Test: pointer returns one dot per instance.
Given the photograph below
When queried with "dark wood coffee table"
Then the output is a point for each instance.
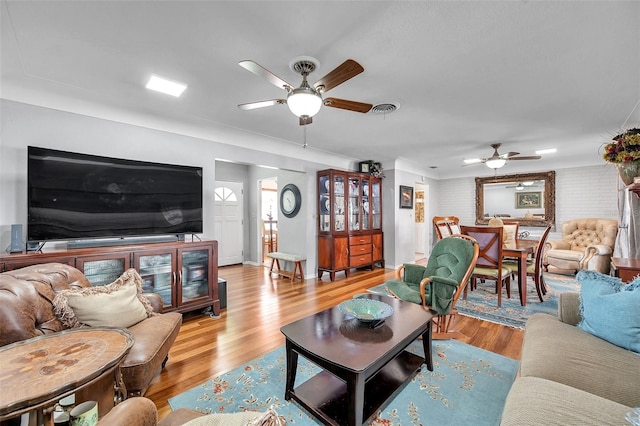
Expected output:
(363, 367)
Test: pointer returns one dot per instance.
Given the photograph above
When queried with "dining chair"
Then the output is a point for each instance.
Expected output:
(446, 226)
(534, 266)
(489, 264)
(439, 284)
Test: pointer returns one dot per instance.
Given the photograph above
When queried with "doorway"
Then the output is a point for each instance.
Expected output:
(228, 211)
(421, 228)
(268, 213)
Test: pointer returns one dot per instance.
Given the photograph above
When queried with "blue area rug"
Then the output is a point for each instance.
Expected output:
(483, 302)
(468, 386)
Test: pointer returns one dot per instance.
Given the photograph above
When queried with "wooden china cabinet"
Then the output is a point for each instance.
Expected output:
(349, 222)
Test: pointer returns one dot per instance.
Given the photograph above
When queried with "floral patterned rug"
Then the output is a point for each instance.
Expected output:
(483, 302)
(468, 386)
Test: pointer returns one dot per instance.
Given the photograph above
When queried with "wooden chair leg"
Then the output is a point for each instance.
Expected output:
(537, 279)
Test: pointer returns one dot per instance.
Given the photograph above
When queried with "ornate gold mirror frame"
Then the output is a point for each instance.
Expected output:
(549, 179)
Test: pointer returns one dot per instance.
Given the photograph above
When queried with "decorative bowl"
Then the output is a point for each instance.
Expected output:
(366, 310)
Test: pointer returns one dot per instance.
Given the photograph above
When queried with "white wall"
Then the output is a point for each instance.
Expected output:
(24, 125)
(581, 192)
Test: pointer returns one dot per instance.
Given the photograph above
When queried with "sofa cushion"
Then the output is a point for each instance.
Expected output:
(610, 309)
(119, 304)
(535, 401)
(563, 353)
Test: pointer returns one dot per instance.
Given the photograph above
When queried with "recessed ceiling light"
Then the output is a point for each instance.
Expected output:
(472, 160)
(546, 151)
(163, 85)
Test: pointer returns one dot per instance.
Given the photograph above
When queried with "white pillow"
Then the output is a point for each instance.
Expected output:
(119, 304)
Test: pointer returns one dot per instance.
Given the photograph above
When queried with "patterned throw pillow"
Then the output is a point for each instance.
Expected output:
(119, 304)
(610, 309)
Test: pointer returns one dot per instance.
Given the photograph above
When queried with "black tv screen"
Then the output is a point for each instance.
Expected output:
(78, 196)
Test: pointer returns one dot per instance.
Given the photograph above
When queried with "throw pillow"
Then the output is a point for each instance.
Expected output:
(119, 304)
(610, 309)
(241, 418)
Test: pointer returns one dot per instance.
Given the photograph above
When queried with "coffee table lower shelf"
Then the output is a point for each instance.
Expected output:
(325, 395)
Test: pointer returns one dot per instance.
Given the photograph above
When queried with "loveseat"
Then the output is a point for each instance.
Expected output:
(569, 376)
(587, 244)
(27, 310)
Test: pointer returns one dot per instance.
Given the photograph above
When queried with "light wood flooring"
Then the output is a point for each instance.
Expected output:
(258, 305)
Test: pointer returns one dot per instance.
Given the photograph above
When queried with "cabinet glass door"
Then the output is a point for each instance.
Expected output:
(366, 205)
(105, 269)
(376, 205)
(194, 277)
(339, 223)
(157, 275)
(354, 204)
(324, 203)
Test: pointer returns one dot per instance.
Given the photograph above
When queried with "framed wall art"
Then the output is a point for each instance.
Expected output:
(406, 197)
(528, 200)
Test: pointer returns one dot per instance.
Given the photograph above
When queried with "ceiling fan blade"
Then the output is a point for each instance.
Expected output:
(305, 119)
(348, 105)
(339, 75)
(527, 157)
(261, 104)
(263, 72)
(509, 154)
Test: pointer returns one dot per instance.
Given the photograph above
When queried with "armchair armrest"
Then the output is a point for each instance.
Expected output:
(440, 296)
(400, 273)
(557, 245)
(137, 411)
(596, 250)
(444, 280)
(599, 249)
(569, 308)
(155, 300)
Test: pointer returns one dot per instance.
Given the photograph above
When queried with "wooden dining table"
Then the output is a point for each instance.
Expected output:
(521, 251)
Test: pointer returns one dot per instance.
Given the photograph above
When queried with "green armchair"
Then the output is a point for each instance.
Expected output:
(439, 284)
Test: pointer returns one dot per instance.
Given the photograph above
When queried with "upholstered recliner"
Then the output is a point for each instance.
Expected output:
(586, 244)
(438, 285)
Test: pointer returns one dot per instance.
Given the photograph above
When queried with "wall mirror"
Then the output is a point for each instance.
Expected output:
(527, 198)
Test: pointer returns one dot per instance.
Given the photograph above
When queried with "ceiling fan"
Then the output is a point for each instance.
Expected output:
(305, 101)
(498, 160)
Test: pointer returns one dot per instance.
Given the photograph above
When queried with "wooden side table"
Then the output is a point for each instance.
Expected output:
(625, 269)
(41, 371)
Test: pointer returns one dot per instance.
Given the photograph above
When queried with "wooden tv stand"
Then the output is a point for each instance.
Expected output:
(183, 274)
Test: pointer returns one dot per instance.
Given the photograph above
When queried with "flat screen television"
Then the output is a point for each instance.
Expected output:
(73, 196)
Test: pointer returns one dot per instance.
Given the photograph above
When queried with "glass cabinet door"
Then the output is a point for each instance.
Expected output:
(376, 205)
(365, 204)
(101, 270)
(324, 204)
(339, 223)
(157, 272)
(194, 275)
(354, 204)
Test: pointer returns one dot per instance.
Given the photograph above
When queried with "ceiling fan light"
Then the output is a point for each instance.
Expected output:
(496, 163)
(304, 101)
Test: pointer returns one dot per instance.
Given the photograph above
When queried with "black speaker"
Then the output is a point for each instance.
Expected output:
(16, 238)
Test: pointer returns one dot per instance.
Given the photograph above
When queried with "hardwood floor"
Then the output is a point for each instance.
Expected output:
(258, 305)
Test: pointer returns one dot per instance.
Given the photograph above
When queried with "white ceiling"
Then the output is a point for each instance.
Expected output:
(530, 74)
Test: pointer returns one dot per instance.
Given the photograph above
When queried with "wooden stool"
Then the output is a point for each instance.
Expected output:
(277, 256)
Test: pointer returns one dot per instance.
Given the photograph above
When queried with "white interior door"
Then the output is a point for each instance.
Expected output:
(228, 222)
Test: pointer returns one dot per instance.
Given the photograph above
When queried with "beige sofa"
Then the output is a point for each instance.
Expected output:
(570, 377)
(586, 244)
